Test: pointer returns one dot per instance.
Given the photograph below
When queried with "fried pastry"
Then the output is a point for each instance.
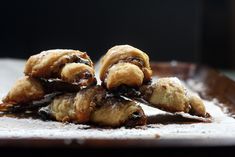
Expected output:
(29, 89)
(170, 95)
(197, 106)
(93, 105)
(117, 111)
(124, 65)
(48, 72)
(71, 66)
(25, 90)
(74, 107)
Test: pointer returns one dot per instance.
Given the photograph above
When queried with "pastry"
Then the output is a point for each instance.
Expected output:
(170, 95)
(28, 89)
(94, 105)
(71, 66)
(124, 65)
(23, 91)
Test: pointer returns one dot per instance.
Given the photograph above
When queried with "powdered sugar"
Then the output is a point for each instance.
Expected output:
(27, 128)
(222, 125)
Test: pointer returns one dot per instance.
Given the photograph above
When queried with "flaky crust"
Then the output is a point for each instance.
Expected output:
(94, 106)
(197, 106)
(121, 53)
(49, 64)
(124, 74)
(62, 107)
(78, 73)
(170, 95)
(48, 72)
(74, 107)
(116, 113)
(24, 90)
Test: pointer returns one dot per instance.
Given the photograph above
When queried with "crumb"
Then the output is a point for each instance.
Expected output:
(157, 136)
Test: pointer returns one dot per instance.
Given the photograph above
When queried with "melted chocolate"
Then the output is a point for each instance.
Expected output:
(126, 91)
(79, 59)
(135, 60)
(45, 113)
(84, 78)
(56, 85)
(136, 118)
(146, 92)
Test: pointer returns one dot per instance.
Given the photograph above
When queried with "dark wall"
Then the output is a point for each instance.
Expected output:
(217, 33)
(167, 30)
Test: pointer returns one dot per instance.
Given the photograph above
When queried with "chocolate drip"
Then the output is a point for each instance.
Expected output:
(82, 60)
(136, 118)
(45, 113)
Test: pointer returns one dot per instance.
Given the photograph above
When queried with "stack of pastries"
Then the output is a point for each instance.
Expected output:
(66, 78)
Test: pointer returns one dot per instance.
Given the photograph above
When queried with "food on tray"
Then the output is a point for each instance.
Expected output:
(170, 95)
(61, 85)
(125, 65)
(51, 71)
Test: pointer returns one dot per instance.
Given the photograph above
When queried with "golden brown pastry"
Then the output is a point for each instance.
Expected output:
(93, 105)
(71, 66)
(23, 91)
(117, 112)
(170, 95)
(28, 89)
(125, 65)
(197, 106)
(74, 107)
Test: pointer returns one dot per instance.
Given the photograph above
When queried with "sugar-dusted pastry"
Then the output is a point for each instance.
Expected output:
(24, 90)
(125, 65)
(93, 105)
(71, 66)
(197, 106)
(117, 111)
(170, 95)
(28, 89)
(48, 72)
(74, 107)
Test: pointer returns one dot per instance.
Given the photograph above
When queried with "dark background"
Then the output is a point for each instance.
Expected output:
(201, 31)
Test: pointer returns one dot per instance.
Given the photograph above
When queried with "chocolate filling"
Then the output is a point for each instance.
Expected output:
(56, 85)
(136, 118)
(29, 109)
(135, 60)
(79, 59)
(83, 78)
(45, 113)
(127, 91)
(146, 92)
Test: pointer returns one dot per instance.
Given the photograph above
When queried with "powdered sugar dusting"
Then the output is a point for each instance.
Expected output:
(27, 128)
(222, 125)
(198, 86)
